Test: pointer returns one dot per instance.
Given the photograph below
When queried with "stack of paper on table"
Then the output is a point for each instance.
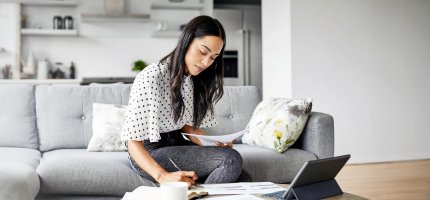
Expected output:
(155, 193)
(243, 190)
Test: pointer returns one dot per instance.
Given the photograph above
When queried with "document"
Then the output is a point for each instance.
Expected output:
(209, 140)
(235, 197)
(242, 188)
(153, 193)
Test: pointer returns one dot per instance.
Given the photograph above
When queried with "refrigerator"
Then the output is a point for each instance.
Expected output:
(242, 56)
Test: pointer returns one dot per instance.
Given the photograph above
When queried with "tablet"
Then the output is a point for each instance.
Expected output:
(315, 180)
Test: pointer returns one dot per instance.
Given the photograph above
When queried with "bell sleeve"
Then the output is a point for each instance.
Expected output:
(141, 118)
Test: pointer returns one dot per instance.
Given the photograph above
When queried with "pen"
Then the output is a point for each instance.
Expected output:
(174, 164)
(179, 169)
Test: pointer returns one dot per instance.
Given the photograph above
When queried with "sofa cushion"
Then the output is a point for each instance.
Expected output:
(14, 155)
(17, 116)
(234, 109)
(18, 177)
(18, 181)
(277, 123)
(64, 113)
(77, 171)
(108, 120)
(264, 164)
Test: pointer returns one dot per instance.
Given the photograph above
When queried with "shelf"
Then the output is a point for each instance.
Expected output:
(94, 17)
(166, 34)
(176, 5)
(70, 3)
(58, 32)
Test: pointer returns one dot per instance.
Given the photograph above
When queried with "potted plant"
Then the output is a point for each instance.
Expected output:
(139, 65)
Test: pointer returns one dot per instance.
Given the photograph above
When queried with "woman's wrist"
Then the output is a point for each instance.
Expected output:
(159, 176)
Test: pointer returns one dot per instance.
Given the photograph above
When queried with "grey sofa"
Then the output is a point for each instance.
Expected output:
(45, 130)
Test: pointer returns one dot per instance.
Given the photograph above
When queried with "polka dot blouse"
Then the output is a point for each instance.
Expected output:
(149, 111)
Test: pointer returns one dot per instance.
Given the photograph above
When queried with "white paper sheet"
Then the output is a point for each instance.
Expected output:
(242, 188)
(209, 140)
(235, 197)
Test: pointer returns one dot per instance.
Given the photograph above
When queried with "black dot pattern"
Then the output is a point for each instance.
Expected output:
(149, 110)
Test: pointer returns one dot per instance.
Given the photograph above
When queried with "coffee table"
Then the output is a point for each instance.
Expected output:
(344, 196)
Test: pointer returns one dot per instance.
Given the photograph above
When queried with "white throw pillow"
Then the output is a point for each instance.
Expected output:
(277, 123)
(108, 120)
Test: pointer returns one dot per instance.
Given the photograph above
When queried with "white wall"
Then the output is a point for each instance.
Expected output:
(9, 37)
(365, 62)
(276, 39)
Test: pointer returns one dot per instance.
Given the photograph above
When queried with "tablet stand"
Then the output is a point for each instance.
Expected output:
(317, 190)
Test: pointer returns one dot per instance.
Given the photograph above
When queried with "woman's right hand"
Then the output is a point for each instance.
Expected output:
(189, 177)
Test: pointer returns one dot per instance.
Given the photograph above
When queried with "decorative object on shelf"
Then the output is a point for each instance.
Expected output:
(114, 7)
(58, 22)
(6, 72)
(42, 69)
(57, 73)
(161, 26)
(23, 21)
(182, 26)
(30, 66)
(68, 22)
(139, 65)
(72, 69)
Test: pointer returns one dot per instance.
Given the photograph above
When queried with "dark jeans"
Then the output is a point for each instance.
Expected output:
(212, 164)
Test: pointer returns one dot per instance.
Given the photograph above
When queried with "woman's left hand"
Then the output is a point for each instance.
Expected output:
(228, 144)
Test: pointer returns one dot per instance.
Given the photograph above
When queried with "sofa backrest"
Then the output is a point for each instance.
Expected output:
(17, 116)
(64, 113)
(235, 109)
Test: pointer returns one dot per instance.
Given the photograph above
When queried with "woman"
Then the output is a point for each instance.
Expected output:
(177, 95)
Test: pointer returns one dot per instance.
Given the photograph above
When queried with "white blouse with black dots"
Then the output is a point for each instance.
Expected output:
(149, 111)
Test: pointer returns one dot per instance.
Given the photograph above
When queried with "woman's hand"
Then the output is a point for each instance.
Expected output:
(189, 177)
(189, 129)
(228, 144)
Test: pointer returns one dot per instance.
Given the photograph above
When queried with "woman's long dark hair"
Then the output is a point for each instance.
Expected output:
(208, 85)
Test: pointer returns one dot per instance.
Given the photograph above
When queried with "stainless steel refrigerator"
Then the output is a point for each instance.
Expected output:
(243, 49)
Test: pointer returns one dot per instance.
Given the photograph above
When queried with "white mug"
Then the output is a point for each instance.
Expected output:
(174, 191)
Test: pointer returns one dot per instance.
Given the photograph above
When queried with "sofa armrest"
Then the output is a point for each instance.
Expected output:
(318, 135)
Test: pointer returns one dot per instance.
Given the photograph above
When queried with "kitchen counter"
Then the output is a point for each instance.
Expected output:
(41, 81)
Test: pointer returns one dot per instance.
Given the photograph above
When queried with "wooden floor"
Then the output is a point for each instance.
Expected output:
(394, 180)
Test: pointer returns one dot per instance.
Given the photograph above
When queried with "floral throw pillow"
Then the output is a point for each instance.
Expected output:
(277, 123)
(108, 120)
